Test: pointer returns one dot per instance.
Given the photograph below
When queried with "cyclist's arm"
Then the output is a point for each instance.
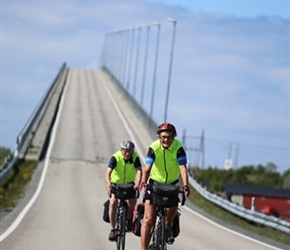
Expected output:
(111, 165)
(108, 179)
(150, 158)
(138, 167)
(146, 172)
(138, 177)
(183, 173)
(182, 161)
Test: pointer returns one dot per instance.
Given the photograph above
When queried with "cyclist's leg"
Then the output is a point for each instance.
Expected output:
(147, 223)
(113, 210)
(131, 205)
(170, 214)
(112, 215)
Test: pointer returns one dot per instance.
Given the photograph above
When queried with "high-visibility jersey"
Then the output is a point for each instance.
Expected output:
(165, 162)
(124, 171)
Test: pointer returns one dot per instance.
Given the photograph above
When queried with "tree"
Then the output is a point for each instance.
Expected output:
(271, 167)
(4, 152)
(286, 179)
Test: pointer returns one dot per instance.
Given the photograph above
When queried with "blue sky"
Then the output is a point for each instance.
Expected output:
(246, 8)
(230, 73)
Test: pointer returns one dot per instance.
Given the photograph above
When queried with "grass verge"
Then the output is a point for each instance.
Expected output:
(13, 186)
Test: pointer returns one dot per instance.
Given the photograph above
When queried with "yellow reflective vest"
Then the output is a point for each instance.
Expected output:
(165, 168)
(123, 172)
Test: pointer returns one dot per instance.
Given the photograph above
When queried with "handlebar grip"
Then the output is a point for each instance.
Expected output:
(183, 199)
(145, 191)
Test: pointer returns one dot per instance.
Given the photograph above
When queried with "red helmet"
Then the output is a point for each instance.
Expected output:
(166, 127)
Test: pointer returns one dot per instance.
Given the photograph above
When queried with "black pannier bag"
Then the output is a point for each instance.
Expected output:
(137, 219)
(124, 191)
(106, 217)
(164, 195)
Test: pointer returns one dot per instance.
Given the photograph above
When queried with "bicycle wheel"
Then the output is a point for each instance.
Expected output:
(163, 235)
(159, 235)
(121, 229)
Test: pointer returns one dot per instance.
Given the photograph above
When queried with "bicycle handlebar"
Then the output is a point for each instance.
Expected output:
(137, 192)
(182, 202)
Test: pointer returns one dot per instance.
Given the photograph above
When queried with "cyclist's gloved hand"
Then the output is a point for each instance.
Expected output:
(186, 190)
(109, 189)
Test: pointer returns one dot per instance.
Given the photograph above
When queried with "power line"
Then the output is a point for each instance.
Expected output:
(251, 145)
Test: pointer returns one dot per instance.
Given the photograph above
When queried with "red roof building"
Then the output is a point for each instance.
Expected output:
(270, 201)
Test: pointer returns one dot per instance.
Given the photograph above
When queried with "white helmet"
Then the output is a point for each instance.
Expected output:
(127, 145)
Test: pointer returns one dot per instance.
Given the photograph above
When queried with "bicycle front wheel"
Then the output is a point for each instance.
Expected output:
(159, 237)
(162, 235)
(121, 229)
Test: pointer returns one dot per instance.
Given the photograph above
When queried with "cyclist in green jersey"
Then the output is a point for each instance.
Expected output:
(124, 167)
(165, 163)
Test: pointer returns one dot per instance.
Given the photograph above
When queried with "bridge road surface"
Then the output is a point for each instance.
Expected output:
(67, 215)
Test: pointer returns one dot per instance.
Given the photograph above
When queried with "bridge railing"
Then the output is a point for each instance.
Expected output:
(23, 141)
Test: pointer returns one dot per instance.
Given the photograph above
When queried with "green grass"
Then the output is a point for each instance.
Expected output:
(13, 186)
(229, 218)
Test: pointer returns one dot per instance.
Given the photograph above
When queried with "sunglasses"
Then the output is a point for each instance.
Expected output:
(168, 137)
(127, 150)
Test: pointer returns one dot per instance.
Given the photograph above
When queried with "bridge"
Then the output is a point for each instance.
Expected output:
(77, 127)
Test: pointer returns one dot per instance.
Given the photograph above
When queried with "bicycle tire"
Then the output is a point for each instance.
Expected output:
(162, 234)
(121, 229)
(159, 240)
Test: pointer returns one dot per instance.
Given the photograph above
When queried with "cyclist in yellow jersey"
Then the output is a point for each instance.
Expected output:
(124, 167)
(165, 163)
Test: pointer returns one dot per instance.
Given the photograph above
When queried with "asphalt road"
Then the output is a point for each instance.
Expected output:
(66, 213)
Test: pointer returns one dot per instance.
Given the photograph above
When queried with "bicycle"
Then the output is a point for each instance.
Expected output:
(122, 192)
(164, 196)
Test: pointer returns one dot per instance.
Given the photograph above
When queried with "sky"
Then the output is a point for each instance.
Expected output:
(230, 74)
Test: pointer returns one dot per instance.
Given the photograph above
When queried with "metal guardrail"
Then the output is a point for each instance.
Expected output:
(21, 142)
(250, 215)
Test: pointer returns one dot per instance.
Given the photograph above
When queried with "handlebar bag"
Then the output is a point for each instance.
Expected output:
(124, 191)
(164, 195)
